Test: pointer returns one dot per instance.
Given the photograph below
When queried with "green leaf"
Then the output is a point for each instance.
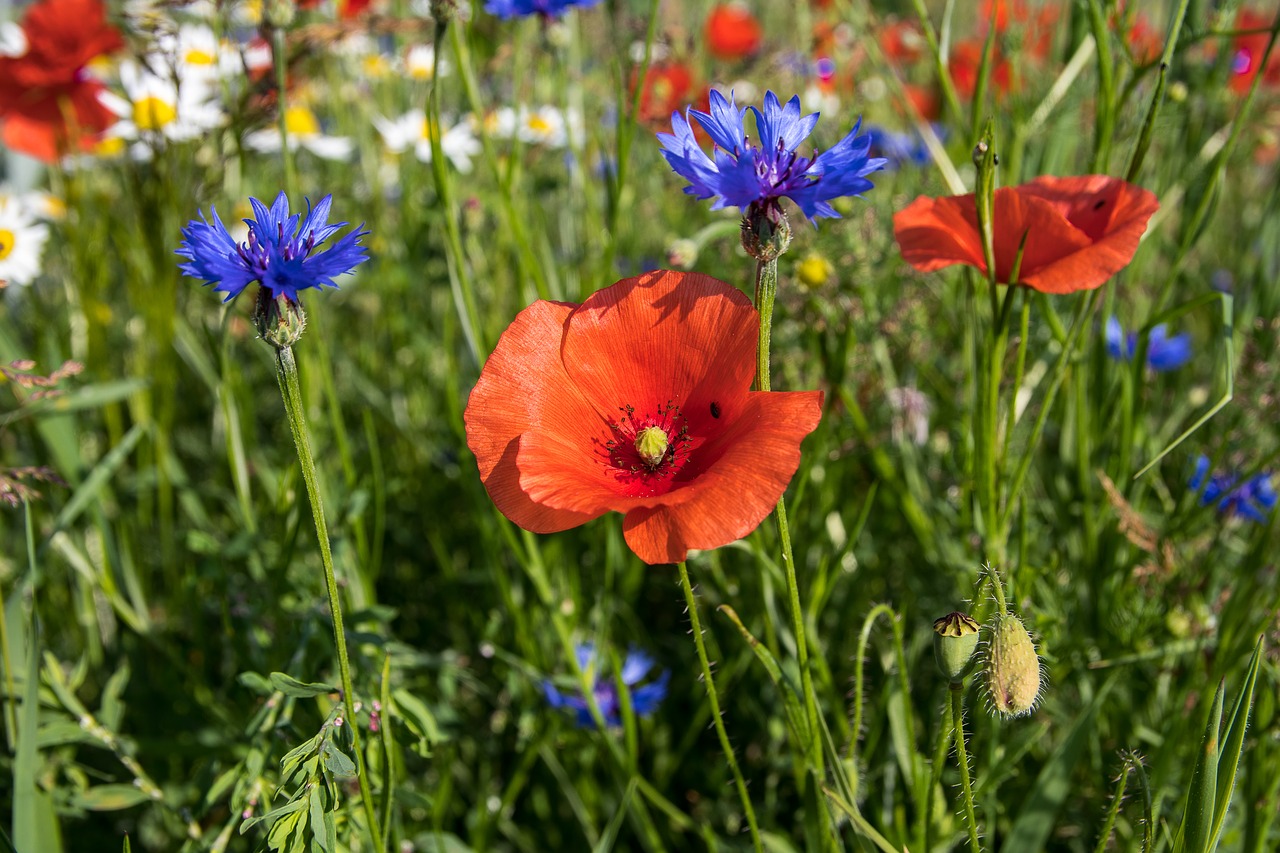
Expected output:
(1233, 746)
(288, 808)
(104, 471)
(1197, 820)
(110, 798)
(291, 686)
(256, 682)
(127, 848)
(336, 761)
(316, 816)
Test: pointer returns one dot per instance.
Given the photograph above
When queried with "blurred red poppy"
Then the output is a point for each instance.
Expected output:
(732, 32)
(966, 58)
(1247, 52)
(48, 104)
(1079, 231)
(637, 401)
(666, 90)
(902, 41)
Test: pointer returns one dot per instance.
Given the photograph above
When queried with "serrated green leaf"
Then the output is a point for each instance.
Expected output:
(110, 798)
(290, 686)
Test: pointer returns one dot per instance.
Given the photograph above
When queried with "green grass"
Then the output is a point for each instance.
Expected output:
(164, 633)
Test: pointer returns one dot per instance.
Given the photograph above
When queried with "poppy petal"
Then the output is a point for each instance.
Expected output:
(754, 459)
(1079, 231)
(663, 337)
(510, 398)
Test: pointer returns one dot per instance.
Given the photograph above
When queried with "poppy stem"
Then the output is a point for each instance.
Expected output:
(962, 759)
(766, 292)
(691, 602)
(287, 373)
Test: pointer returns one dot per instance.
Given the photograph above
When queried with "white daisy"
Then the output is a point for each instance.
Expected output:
(22, 241)
(412, 129)
(548, 126)
(419, 62)
(175, 108)
(304, 132)
(194, 51)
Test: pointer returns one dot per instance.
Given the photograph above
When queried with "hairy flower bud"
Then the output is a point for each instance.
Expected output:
(1012, 668)
(954, 643)
(279, 320)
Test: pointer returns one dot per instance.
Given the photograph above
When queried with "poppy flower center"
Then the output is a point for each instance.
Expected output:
(647, 450)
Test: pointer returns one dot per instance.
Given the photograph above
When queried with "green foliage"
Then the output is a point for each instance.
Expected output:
(167, 672)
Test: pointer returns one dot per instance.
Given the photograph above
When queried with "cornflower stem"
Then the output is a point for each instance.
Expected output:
(962, 758)
(691, 602)
(766, 293)
(287, 373)
(460, 277)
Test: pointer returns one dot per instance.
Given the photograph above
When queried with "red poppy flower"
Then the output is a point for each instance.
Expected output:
(1080, 231)
(732, 32)
(902, 41)
(47, 103)
(966, 57)
(637, 401)
(665, 90)
(1247, 52)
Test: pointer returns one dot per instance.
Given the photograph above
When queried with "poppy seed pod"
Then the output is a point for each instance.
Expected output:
(1012, 668)
(955, 642)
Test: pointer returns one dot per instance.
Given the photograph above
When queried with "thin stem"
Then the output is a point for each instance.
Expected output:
(766, 292)
(281, 60)
(460, 278)
(692, 603)
(962, 758)
(935, 773)
(287, 373)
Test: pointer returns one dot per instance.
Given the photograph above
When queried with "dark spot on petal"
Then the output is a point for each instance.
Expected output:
(1099, 204)
(715, 410)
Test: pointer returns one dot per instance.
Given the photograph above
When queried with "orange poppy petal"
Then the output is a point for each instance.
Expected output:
(933, 233)
(1109, 213)
(1079, 231)
(759, 453)
(663, 337)
(512, 397)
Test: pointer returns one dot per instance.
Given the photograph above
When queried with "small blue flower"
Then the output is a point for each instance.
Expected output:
(507, 9)
(1252, 499)
(1163, 352)
(280, 253)
(635, 667)
(744, 175)
(901, 149)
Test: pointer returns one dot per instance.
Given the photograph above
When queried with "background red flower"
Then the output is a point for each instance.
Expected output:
(554, 419)
(48, 104)
(732, 32)
(1079, 231)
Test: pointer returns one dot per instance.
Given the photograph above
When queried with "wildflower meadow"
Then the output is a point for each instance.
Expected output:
(431, 426)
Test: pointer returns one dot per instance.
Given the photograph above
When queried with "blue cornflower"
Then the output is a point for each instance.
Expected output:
(280, 253)
(748, 176)
(1252, 499)
(1163, 352)
(635, 667)
(547, 8)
